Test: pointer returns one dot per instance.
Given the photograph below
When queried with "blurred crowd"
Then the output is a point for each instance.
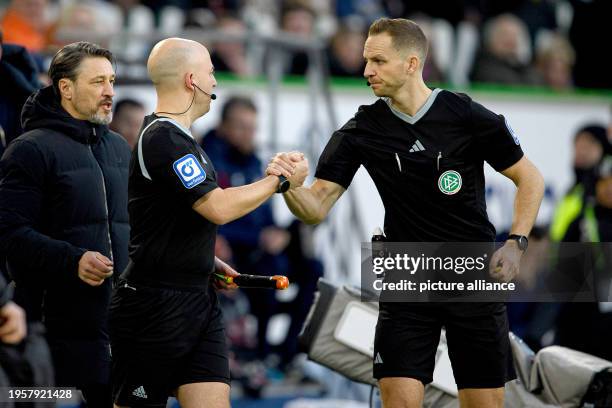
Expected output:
(547, 43)
(582, 215)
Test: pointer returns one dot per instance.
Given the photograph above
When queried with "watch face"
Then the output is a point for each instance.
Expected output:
(521, 241)
(283, 185)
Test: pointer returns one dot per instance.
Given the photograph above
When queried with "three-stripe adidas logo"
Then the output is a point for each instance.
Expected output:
(378, 359)
(417, 147)
(140, 392)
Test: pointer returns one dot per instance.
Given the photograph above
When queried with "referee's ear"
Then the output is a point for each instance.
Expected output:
(189, 81)
(413, 64)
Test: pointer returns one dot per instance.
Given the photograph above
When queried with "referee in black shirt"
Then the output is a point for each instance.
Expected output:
(425, 151)
(166, 326)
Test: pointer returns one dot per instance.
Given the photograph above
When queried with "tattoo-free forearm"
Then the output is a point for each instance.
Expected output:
(224, 205)
(304, 204)
(529, 194)
(312, 204)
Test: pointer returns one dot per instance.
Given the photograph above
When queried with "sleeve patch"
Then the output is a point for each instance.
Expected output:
(511, 131)
(189, 171)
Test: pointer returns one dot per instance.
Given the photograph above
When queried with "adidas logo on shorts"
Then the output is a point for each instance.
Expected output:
(378, 359)
(140, 392)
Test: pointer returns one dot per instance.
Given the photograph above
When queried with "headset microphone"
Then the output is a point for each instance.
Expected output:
(212, 96)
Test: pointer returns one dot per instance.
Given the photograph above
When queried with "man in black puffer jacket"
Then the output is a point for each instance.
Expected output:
(63, 214)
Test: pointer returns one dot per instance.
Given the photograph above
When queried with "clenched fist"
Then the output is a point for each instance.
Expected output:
(292, 165)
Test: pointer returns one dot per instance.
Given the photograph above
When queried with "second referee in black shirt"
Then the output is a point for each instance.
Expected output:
(166, 326)
(425, 150)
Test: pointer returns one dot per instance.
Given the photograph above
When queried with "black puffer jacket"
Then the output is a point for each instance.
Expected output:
(5, 292)
(63, 191)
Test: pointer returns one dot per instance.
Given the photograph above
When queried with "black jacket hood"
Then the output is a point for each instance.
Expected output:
(43, 110)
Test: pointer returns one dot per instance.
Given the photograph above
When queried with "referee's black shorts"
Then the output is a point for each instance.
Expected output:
(162, 338)
(407, 337)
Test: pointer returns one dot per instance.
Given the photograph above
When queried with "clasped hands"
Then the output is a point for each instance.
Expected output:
(292, 165)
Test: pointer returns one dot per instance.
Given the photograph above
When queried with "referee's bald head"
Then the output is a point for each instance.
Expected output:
(171, 59)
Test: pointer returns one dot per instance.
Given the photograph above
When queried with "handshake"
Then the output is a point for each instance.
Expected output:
(292, 165)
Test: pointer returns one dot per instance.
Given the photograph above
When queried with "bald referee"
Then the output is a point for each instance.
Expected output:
(424, 150)
(167, 333)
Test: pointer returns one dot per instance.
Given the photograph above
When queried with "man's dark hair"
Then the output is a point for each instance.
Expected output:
(236, 102)
(296, 5)
(66, 62)
(127, 103)
(405, 34)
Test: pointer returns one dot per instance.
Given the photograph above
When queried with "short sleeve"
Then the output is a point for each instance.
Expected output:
(176, 164)
(340, 159)
(496, 142)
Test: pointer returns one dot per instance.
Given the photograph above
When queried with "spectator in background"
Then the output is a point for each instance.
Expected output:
(94, 18)
(24, 23)
(503, 59)
(258, 245)
(298, 18)
(136, 21)
(538, 16)
(157, 5)
(346, 53)
(230, 55)
(126, 6)
(365, 10)
(127, 120)
(63, 215)
(555, 60)
(431, 71)
(583, 326)
(452, 11)
(591, 144)
(19, 78)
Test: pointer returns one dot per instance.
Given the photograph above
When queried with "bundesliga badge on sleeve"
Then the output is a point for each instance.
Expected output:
(189, 171)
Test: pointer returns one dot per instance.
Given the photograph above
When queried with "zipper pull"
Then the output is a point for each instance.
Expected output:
(439, 158)
(399, 163)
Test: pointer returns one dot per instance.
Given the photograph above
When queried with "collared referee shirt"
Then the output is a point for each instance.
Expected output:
(428, 168)
(170, 242)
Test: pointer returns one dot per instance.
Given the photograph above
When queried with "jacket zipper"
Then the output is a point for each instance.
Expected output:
(2, 137)
(438, 161)
(108, 234)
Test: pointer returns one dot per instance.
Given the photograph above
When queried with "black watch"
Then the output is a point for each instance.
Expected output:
(521, 240)
(283, 185)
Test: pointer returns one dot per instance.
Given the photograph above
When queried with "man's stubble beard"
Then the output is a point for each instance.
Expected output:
(100, 119)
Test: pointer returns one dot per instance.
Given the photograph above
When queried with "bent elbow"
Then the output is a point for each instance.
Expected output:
(218, 219)
(312, 220)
